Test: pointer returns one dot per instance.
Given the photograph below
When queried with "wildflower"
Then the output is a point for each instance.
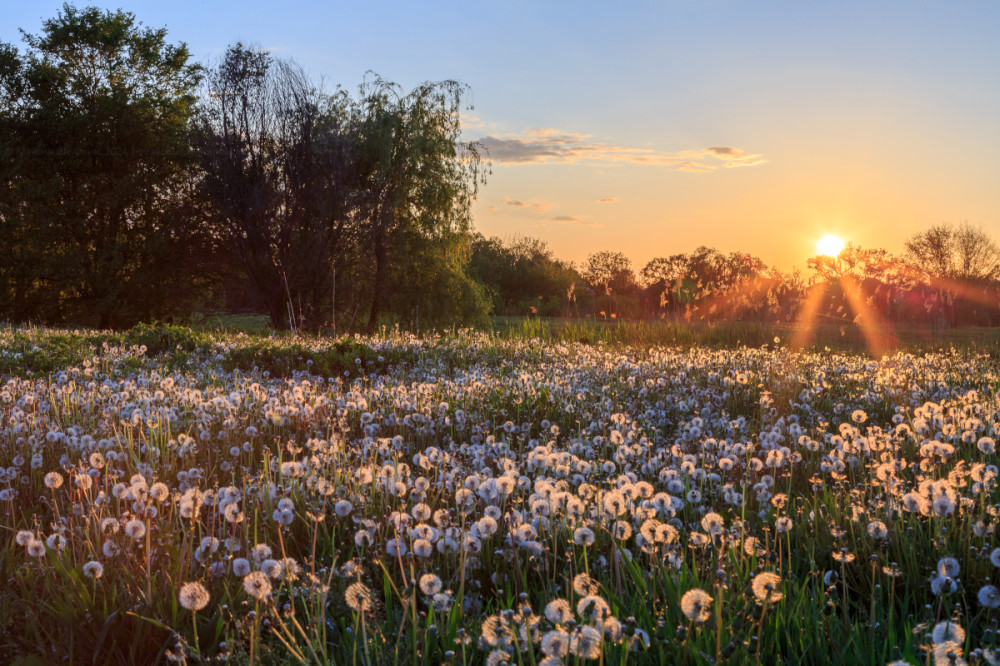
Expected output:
(943, 585)
(260, 552)
(24, 537)
(35, 548)
(585, 642)
(342, 508)
(783, 524)
(584, 585)
(395, 547)
(943, 505)
(93, 569)
(241, 566)
(583, 536)
(753, 547)
(765, 587)
(989, 596)
(422, 548)
(110, 548)
(193, 596)
(271, 567)
(995, 557)
(696, 605)
(555, 643)
(430, 584)
(441, 602)
(948, 566)
(877, 529)
(159, 492)
(257, 585)
(593, 608)
(948, 632)
(844, 556)
(713, 523)
(232, 514)
(135, 528)
(53, 480)
(497, 657)
(558, 611)
(358, 597)
(56, 541)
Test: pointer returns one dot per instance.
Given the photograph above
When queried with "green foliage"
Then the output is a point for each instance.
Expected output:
(162, 338)
(346, 358)
(523, 277)
(97, 225)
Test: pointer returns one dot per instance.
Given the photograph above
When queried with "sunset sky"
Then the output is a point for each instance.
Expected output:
(657, 127)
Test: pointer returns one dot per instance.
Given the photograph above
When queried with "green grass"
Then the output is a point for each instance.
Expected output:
(846, 337)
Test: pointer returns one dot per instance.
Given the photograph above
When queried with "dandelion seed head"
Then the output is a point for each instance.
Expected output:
(193, 596)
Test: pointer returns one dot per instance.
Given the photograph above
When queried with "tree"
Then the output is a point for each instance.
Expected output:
(279, 164)
(98, 224)
(417, 175)
(609, 273)
(962, 265)
(961, 252)
(522, 275)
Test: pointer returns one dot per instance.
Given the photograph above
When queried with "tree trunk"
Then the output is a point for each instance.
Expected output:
(377, 285)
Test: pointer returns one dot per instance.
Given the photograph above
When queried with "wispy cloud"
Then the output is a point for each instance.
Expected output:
(607, 200)
(533, 205)
(735, 157)
(553, 146)
(493, 209)
(471, 122)
(574, 220)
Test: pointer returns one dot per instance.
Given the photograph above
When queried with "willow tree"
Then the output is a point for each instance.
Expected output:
(97, 222)
(279, 171)
(416, 174)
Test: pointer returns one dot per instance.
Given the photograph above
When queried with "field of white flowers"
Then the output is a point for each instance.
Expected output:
(473, 499)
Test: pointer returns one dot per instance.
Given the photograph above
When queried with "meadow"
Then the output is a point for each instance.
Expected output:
(526, 496)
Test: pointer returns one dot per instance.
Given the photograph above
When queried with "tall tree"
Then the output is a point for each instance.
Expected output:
(279, 166)
(418, 176)
(609, 274)
(958, 252)
(95, 181)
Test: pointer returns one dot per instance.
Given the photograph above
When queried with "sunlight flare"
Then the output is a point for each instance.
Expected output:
(830, 245)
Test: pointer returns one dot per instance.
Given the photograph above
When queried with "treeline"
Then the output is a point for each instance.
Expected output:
(137, 185)
(948, 275)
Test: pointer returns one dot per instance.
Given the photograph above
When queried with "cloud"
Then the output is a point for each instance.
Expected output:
(493, 209)
(735, 157)
(573, 219)
(470, 121)
(553, 146)
(607, 200)
(533, 204)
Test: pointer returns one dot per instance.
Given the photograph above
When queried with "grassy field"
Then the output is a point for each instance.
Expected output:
(548, 493)
(838, 337)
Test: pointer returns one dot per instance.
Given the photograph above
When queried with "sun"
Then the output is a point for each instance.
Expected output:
(830, 245)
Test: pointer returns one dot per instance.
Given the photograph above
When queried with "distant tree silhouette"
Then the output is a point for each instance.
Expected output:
(611, 278)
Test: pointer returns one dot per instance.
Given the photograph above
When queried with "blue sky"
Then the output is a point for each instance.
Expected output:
(657, 127)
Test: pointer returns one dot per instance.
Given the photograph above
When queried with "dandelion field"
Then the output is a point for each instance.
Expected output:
(172, 496)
